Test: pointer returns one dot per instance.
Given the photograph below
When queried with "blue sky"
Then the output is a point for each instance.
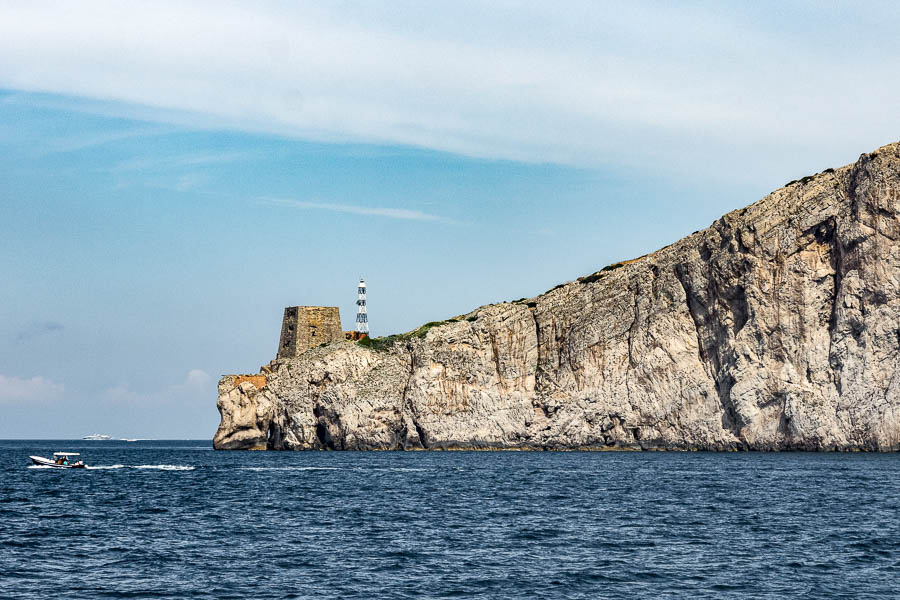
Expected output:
(171, 177)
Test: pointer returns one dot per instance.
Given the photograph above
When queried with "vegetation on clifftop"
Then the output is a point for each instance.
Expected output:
(383, 343)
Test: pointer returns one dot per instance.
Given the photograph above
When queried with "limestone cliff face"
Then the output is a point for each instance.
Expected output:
(247, 409)
(778, 327)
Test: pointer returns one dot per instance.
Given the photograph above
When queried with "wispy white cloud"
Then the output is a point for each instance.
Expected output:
(121, 393)
(175, 172)
(50, 141)
(708, 87)
(74, 143)
(35, 389)
(190, 182)
(197, 378)
(149, 163)
(196, 386)
(391, 213)
(40, 145)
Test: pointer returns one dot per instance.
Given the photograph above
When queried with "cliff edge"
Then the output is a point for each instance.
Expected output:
(776, 328)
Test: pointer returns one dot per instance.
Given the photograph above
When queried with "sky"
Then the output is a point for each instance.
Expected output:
(172, 175)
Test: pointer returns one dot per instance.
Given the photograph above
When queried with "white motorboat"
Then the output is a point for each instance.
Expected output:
(61, 460)
(95, 437)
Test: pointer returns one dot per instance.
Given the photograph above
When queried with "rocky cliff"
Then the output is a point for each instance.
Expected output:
(778, 327)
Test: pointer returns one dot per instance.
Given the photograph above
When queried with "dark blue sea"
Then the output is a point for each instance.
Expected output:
(174, 519)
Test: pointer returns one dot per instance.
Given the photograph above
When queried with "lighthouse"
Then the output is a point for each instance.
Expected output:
(362, 318)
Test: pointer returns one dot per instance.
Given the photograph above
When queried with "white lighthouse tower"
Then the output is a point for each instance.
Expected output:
(362, 318)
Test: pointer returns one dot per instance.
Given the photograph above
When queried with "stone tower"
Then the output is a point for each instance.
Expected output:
(306, 327)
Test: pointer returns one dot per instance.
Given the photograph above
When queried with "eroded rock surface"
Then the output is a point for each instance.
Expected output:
(247, 413)
(778, 327)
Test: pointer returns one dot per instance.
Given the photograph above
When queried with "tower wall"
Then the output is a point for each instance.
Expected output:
(305, 327)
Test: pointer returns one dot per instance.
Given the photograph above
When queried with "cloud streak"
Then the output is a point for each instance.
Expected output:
(708, 87)
(196, 384)
(391, 213)
(36, 389)
(178, 161)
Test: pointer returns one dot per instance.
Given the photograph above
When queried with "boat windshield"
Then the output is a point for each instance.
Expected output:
(65, 458)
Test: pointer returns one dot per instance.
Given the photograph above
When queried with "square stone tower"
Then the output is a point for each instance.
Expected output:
(306, 327)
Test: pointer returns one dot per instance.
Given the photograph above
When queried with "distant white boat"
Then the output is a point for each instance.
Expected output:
(97, 436)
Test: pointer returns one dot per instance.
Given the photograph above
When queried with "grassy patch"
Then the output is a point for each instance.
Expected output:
(554, 288)
(592, 277)
(380, 343)
(384, 343)
(424, 329)
(600, 274)
(807, 179)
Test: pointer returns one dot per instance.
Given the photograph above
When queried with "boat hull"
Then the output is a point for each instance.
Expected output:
(46, 462)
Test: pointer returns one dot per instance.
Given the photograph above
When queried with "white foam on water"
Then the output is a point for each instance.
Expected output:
(164, 467)
(394, 469)
(104, 467)
(288, 468)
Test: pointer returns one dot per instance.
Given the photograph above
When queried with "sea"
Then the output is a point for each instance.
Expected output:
(175, 519)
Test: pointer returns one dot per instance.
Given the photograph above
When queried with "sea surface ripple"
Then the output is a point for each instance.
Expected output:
(174, 519)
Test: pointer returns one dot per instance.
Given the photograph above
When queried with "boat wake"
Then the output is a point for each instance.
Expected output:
(289, 469)
(113, 467)
(164, 467)
(297, 468)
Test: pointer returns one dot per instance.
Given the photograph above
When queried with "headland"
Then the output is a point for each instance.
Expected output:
(776, 328)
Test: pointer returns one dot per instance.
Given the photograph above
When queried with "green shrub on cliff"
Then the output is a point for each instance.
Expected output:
(380, 343)
(599, 274)
(383, 343)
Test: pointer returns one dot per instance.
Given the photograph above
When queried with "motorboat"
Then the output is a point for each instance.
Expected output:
(61, 460)
(97, 437)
